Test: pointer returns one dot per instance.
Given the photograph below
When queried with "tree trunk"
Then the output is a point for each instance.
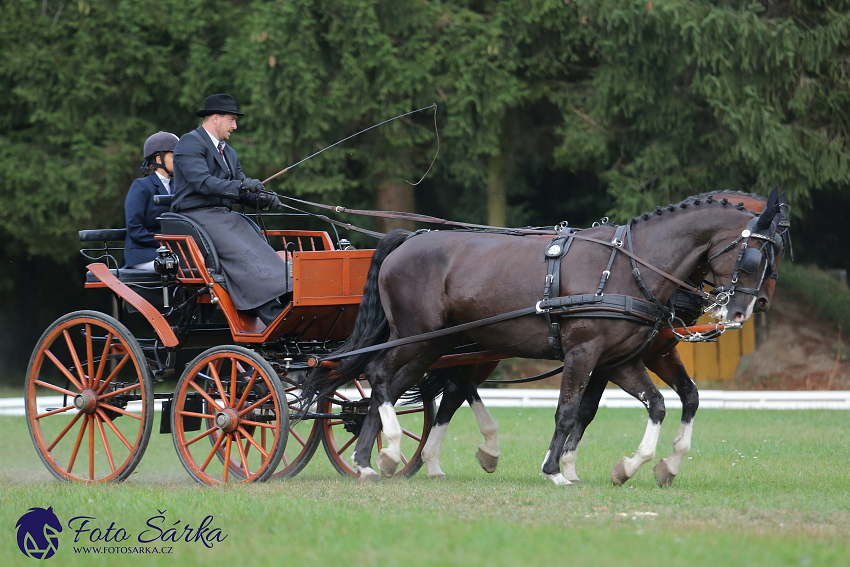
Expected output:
(497, 198)
(395, 195)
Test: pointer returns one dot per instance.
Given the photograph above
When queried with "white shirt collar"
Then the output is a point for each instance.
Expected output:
(215, 140)
(165, 181)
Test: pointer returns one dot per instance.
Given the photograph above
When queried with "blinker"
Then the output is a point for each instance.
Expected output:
(751, 260)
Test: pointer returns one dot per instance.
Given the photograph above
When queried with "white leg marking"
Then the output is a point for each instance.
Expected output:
(364, 471)
(392, 432)
(557, 478)
(568, 465)
(488, 427)
(645, 451)
(681, 446)
(431, 451)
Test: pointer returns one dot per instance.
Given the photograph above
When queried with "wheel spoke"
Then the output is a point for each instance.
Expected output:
(90, 356)
(347, 445)
(360, 388)
(404, 460)
(60, 410)
(64, 431)
(113, 374)
(335, 423)
(411, 435)
(242, 454)
(227, 457)
(297, 437)
(215, 447)
(75, 357)
(64, 370)
(247, 389)
(341, 397)
(56, 388)
(252, 441)
(121, 391)
(380, 441)
(258, 403)
(91, 447)
(105, 444)
(258, 424)
(233, 381)
(196, 414)
(218, 385)
(77, 444)
(199, 437)
(114, 429)
(205, 396)
(415, 410)
(102, 364)
(119, 410)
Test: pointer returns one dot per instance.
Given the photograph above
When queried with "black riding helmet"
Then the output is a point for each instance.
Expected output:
(158, 144)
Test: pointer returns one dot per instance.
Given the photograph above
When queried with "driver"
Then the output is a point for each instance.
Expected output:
(208, 180)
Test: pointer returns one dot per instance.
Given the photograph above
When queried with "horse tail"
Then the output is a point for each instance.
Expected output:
(370, 328)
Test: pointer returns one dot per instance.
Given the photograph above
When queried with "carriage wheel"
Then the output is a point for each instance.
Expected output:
(243, 409)
(89, 399)
(302, 442)
(340, 434)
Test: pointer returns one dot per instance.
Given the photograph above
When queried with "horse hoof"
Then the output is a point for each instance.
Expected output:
(369, 476)
(387, 464)
(438, 476)
(618, 472)
(557, 479)
(488, 462)
(663, 475)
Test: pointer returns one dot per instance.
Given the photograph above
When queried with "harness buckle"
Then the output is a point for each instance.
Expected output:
(538, 309)
(550, 278)
(617, 242)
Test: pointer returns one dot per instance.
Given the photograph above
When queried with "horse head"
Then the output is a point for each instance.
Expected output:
(742, 266)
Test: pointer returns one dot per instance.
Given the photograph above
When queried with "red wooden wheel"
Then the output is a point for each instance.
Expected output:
(233, 396)
(302, 441)
(339, 434)
(89, 399)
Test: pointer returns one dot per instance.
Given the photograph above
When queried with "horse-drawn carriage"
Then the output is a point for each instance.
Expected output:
(237, 412)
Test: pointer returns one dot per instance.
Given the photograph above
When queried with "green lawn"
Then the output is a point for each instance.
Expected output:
(762, 488)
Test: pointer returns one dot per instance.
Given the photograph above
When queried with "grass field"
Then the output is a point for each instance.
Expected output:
(762, 488)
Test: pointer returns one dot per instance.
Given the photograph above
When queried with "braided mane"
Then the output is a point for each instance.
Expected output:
(725, 197)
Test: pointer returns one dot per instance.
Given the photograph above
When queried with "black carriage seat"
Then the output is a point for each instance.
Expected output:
(175, 223)
(128, 276)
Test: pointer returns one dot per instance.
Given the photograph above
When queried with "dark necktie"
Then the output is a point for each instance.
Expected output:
(224, 159)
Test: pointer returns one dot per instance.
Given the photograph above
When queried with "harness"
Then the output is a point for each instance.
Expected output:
(648, 311)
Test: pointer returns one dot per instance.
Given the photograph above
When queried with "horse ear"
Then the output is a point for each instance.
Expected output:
(772, 199)
(767, 216)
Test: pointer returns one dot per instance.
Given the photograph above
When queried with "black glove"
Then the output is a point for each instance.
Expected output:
(266, 201)
(249, 185)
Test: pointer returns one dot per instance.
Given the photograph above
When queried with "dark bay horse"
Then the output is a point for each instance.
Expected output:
(442, 279)
(459, 384)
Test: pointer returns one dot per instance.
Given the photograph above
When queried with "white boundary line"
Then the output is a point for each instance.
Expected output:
(612, 398)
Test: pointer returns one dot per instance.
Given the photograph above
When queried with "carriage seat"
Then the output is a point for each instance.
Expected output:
(175, 223)
(130, 277)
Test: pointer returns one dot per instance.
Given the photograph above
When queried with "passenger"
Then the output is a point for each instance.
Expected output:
(139, 210)
(208, 180)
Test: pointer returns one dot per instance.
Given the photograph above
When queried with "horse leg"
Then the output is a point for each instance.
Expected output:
(636, 381)
(586, 412)
(578, 366)
(669, 368)
(362, 455)
(452, 400)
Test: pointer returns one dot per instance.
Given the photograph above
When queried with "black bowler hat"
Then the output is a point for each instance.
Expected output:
(219, 104)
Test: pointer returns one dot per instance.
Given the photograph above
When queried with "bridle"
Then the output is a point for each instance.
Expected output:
(749, 259)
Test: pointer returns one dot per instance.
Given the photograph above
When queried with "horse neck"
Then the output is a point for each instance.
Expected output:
(677, 242)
